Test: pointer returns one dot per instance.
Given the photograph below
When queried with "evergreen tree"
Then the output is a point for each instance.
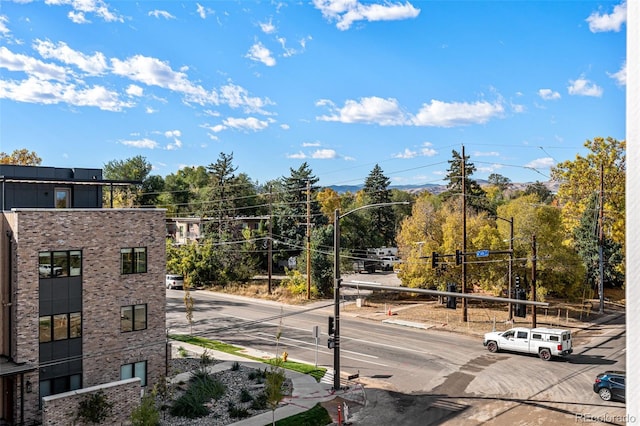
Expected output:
(586, 242)
(291, 212)
(476, 197)
(382, 226)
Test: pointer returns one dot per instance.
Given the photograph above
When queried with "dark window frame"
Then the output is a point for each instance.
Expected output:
(133, 365)
(71, 333)
(58, 263)
(129, 325)
(133, 260)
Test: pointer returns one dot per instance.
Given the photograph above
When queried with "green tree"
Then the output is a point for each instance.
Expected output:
(21, 157)
(291, 211)
(135, 169)
(580, 179)
(476, 197)
(382, 231)
(541, 190)
(502, 182)
(559, 269)
(183, 191)
(586, 242)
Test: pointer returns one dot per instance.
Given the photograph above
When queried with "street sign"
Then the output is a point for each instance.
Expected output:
(482, 253)
(315, 331)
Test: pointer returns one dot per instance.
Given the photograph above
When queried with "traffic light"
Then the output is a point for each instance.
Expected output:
(517, 281)
(434, 259)
(331, 343)
(520, 310)
(332, 328)
(451, 301)
(458, 257)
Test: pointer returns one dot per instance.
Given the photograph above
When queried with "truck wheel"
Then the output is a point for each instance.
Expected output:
(492, 347)
(545, 354)
(605, 394)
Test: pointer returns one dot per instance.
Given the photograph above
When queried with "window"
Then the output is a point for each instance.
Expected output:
(63, 198)
(59, 385)
(554, 338)
(60, 327)
(60, 263)
(133, 318)
(536, 336)
(45, 329)
(133, 260)
(522, 335)
(137, 369)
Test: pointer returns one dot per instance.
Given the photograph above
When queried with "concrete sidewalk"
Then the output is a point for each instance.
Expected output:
(307, 392)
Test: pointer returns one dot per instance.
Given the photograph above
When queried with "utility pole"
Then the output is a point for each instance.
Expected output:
(464, 237)
(510, 267)
(308, 239)
(336, 300)
(270, 241)
(534, 254)
(601, 241)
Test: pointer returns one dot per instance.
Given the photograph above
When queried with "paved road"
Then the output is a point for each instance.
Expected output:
(423, 377)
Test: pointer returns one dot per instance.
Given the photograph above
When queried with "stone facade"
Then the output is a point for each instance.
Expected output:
(62, 409)
(100, 234)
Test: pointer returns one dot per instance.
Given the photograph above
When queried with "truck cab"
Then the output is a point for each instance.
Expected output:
(545, 342)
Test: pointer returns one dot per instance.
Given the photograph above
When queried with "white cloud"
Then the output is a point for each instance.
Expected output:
(310, 144)
(424, 151)
(584, 87)
(541, 163)
(346, 12)
(249, 123)
(95, 64)
(324, 154)
(30, 66)
(268, 27)
(621, 75)
(608, 22)
(161, 14)
(172, 133)
(407, 153)
(82, 7)
(153, 72)
(141, 143)
(486, 154)
(385, 112)
(236, 96)
(548, 94)
(134, 90)
(259, 53)
(490, 169)
(175, 135)
(150, 110)
(443, 114)
(203, 11)
(3, 24)
(297, 156)
(284, 126)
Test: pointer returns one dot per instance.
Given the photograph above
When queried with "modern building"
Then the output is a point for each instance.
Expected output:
(81, 290)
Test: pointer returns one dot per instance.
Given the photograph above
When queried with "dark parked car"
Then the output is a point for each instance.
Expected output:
(610, 385)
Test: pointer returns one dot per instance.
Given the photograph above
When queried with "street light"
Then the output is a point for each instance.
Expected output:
(336, 284)
(510, 221)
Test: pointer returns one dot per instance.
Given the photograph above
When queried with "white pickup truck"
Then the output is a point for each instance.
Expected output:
(545, 342)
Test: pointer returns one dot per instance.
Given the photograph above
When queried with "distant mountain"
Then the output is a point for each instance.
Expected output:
(437, 189)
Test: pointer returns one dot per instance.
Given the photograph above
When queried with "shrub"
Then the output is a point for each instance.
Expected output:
(95, 408)
(202, 388)
(235, 366)
(146, 414)
(245, 396)
(260, 402)
(237, 412)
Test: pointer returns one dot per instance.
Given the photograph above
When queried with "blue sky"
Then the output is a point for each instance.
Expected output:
(340, 84)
